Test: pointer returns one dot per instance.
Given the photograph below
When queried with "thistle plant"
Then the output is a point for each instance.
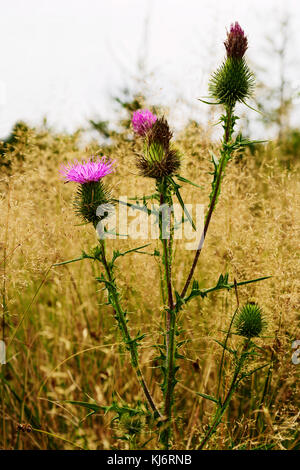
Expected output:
(161, 161)
(249, 323)
(91, 194)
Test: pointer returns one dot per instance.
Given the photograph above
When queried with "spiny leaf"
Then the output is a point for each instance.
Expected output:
(91, 406)
(248, 374)
(222, 283)
(214, 158)
(208, 397)
(184, 180)
(137, 206)
(208, 102)
(83, 256)
(117, 253)
(232, 351)
(180, 200)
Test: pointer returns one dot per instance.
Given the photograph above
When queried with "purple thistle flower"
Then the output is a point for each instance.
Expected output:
(236, 43)
(87, 171)
(142, 121)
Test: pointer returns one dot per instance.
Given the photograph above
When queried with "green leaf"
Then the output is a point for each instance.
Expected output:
(144, 198)
(222, 283)
(224, 346)
(253, 109)
(137, 206)
(118, 253)
(208, 397)
(83, 256)
(215, 159)
(176, 189)
(247, 374)
(179, 301)
(184, 180)
(207, 102)
(90, 406)
(135, 340)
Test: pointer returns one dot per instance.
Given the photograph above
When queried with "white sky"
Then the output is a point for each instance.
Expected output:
(64, 59)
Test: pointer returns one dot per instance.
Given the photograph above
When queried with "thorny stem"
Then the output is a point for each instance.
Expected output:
(5, 309)
(212, 205)
(267, 382)
(124, 329)
(167, 263)
(170, 379)
(223, 406)
(170, 331)
(226, 339)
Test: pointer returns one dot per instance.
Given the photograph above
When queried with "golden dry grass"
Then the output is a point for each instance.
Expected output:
(68, 347)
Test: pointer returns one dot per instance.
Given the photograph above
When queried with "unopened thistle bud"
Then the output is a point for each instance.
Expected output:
(91, 192)
(233, 81)
(142, 121)
(250, 321)
(236, 43)
(160, 158)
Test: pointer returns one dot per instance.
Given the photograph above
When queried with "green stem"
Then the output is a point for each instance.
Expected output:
(227, 136)
(223, 406)
(170, 330)
(226, 340)
(265, 391)
(170, 379)
(130, 343)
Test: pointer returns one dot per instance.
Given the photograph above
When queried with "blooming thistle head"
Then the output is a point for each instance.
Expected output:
(236, 43)
(91, 192)
(250, 321)
(87, 171)
(233, 81)
(142, 121)
(159, 158)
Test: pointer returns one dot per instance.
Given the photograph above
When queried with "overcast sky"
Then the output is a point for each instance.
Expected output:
(64, 59)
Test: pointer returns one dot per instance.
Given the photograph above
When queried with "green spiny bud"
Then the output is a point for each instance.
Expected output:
(250, 321)
(89, 197)
(132, 425)
(232, 82)
(160, 158)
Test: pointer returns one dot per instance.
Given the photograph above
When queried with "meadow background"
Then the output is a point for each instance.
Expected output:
(62, 342)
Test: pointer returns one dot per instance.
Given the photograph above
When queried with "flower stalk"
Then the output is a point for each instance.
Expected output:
(120, 315)
(223, 406)
(225, 155)
(170, 326)
(91, 194)
(249, 322)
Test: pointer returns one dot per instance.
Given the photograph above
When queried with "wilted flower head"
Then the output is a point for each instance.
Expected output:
(87, 171)
(250, 321)
(142, 121)
(236, 43)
